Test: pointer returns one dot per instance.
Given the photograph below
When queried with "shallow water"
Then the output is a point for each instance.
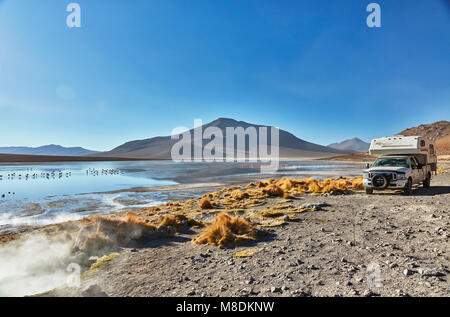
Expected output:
(45, 193)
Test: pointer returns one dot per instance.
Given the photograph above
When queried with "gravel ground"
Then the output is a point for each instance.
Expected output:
(386, 244)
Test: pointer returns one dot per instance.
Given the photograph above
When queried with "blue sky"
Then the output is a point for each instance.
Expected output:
(138, 69)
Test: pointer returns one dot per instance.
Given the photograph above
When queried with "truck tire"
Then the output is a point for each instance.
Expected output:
(408, 187)
(427, 181)
(369, 191)
(380, 181)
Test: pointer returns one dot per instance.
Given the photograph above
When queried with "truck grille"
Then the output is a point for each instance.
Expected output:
(389, 175)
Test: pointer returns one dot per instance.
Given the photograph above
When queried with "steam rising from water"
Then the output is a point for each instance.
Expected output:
(34, 265)
(8, 221)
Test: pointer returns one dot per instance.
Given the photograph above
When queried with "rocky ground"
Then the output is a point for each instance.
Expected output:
(386, 244)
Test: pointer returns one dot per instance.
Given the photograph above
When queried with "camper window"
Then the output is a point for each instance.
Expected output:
(414, 164)
(431, 149)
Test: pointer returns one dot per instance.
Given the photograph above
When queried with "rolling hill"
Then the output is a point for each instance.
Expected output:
(160, 147)
(52, 149)
(20, 158)
(438, 131)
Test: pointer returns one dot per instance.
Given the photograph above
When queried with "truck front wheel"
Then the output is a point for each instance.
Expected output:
(408, 187)
(369, 191)
(427, 181)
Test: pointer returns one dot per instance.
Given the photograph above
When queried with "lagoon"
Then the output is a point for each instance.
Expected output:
(46, 193)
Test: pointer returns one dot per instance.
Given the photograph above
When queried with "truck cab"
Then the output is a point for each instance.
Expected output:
(402, 163)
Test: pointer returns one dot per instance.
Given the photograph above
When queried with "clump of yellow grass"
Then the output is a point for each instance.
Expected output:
(225, 230)
(272, 190)
(7, 238)
(238, 195)
(180, 221)
(205, 203)
(312, 185)
(102, 233)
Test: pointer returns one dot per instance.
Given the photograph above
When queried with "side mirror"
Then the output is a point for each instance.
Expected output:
(367, 165)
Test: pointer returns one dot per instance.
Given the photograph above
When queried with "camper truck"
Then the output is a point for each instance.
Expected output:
(402, 162)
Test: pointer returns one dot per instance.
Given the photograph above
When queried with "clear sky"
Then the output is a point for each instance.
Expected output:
(137, 69)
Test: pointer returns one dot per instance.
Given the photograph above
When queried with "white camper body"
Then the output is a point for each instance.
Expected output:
(422, 148)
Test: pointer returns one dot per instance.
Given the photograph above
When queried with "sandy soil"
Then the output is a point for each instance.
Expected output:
(386, 244)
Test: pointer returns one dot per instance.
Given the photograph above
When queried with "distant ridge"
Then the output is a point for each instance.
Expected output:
(160, 147)
(435, 131)
(20, 158)
(52, 149)
(355, 144)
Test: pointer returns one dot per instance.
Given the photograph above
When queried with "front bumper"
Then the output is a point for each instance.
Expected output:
(398, 183)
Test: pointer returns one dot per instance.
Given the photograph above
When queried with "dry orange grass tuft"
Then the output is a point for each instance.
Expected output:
(272, 214)
(288, 196)
(132, 227)
(261, 184)
(313, 186)
(205, 203)
(180, 221)
(151, 210)
(272, 190)
(225, 230)
(7, 238)
(101, 232)
(173, 221)
(173, 204)
(97, 241)
(285, 184)
(253, 192)
(238, 195)
(288, 187)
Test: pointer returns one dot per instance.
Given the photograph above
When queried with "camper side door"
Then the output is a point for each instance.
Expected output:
(417, 173)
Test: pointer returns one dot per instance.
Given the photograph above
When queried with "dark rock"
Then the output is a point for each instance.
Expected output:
(275, 289)
(408, 272)
(369, 293)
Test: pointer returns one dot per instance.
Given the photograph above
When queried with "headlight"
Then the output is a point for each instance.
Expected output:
(401, 176)
(366, 175)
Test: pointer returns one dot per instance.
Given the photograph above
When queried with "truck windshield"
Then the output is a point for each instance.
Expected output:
(392, 161)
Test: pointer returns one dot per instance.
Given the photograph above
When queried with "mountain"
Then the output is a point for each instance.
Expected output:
(52, 149)
(435, 131)
(355, 144)
(160, 147)
(438, 131)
